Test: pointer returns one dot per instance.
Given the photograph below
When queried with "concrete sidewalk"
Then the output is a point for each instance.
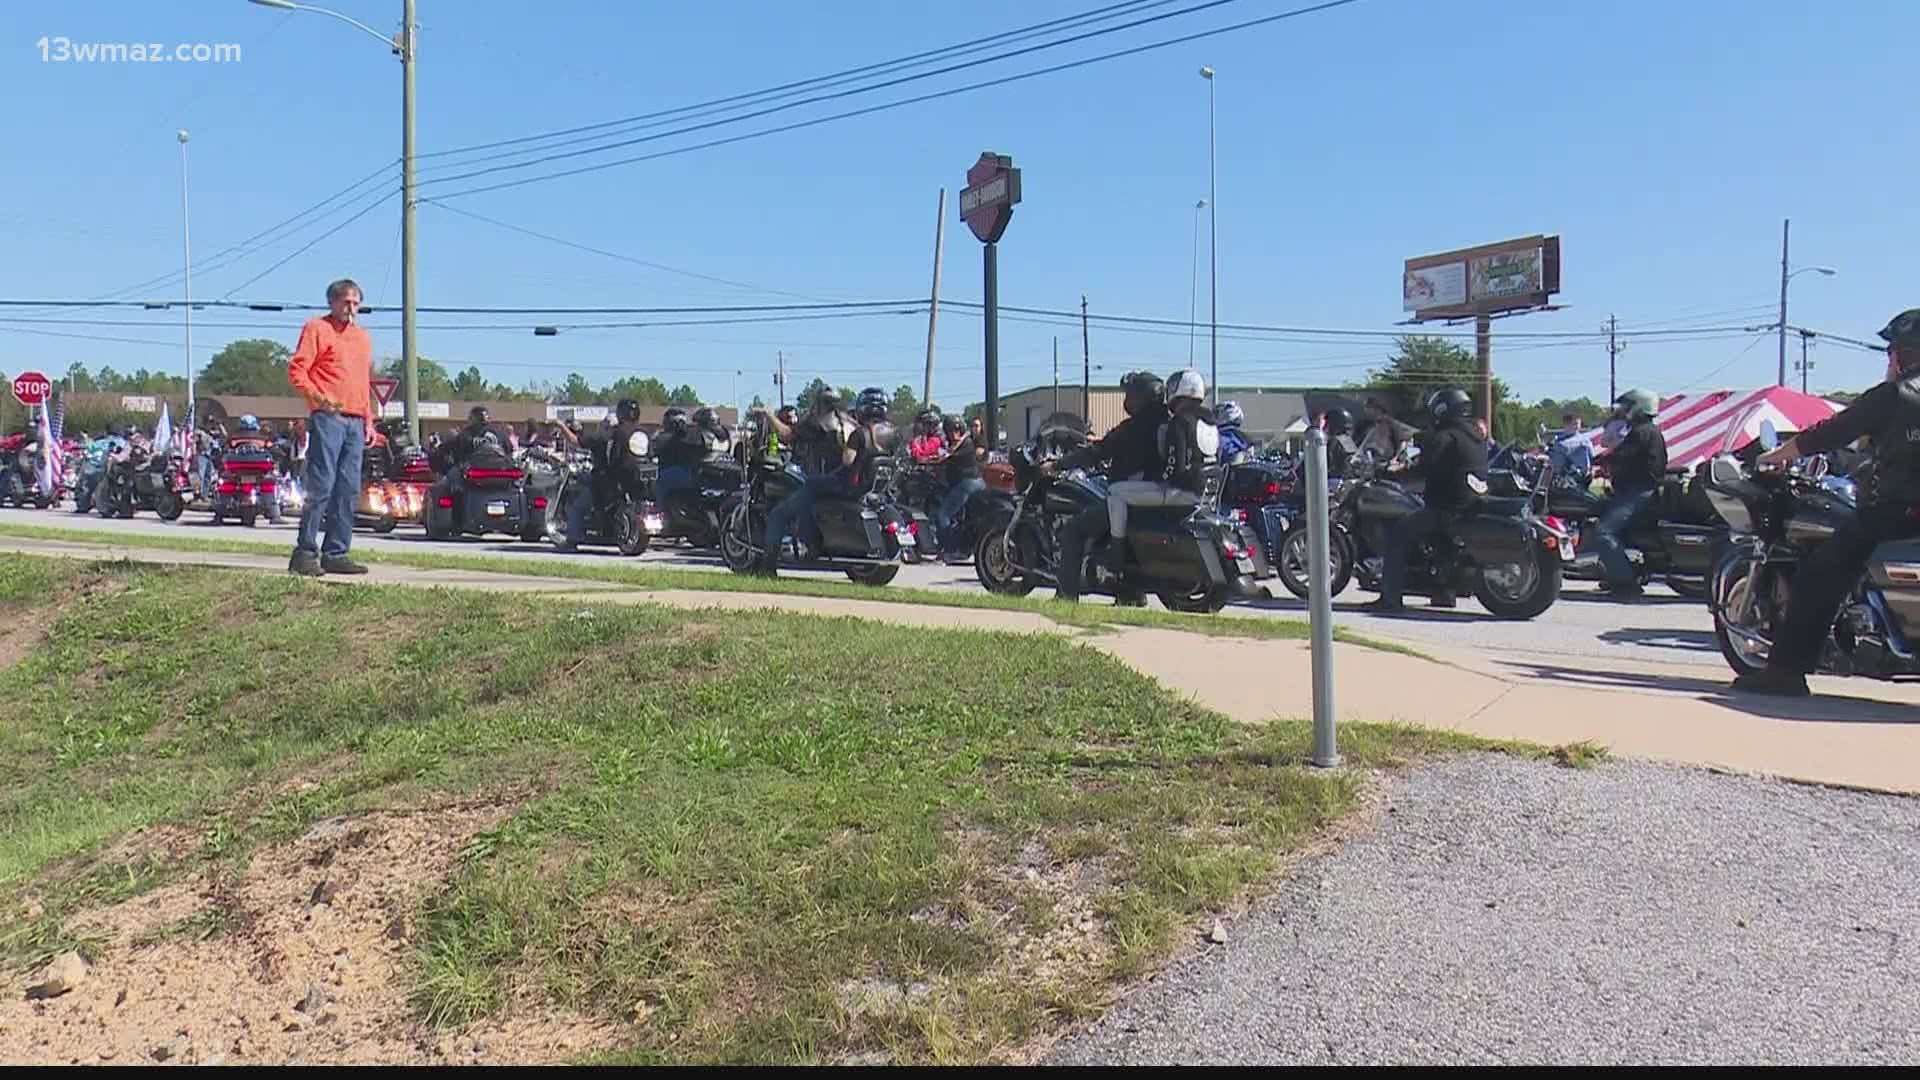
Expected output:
(1858, 734)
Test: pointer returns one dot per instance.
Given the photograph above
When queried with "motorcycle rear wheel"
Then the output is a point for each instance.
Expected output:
(1201, 601)
(633, 531)
(169, 506)
(873, 576)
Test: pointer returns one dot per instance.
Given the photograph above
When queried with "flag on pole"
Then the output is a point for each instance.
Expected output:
(49, 456)
(163, 431)
(60, 419)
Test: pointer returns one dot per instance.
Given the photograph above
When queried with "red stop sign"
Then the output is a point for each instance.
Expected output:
(32, 388)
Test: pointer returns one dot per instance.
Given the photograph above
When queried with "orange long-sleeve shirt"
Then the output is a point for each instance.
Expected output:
(336, 364)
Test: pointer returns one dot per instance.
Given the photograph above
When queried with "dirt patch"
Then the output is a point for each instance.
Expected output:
(24, 632)
(304, 956)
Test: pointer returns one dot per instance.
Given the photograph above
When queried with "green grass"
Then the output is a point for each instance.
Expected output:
(1092, 617)
(734, 818)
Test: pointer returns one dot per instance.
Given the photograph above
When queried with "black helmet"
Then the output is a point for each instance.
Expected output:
(1339, 421)
(1143, 390)
(706, 417)
(1903, 334)
(952, 424)
(675, 419)
(628, 410)
(1449, 403)
(872, 404)
(479, 415)
(928, 419)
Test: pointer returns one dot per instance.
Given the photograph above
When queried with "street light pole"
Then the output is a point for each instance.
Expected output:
(186, 243)
(1193, 282)
(1785, 223)
(403, 46)
(1213, 243)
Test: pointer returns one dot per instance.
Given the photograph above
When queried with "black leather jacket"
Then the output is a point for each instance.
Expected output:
(1889, 415)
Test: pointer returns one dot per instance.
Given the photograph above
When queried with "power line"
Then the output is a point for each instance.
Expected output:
(884, 106)
(304, 248)
(831, 79)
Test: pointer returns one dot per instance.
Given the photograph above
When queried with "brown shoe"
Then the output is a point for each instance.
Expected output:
(305, 565)
(342, 565)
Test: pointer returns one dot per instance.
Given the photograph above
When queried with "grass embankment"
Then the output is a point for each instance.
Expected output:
(729, 837)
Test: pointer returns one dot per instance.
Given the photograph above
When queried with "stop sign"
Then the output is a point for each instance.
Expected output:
(32, 388)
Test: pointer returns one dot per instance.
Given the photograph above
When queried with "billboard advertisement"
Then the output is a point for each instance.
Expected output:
(1514, 275)
(1431, 287)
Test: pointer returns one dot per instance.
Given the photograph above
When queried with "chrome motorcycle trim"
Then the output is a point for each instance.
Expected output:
(1896, 644)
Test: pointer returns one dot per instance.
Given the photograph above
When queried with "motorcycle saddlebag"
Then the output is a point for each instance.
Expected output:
(1493, 539)
(1895, 571)
(848, 527)
(1689, 546)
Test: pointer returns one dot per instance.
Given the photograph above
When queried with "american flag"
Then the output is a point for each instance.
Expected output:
(59, 418)
(50, 458)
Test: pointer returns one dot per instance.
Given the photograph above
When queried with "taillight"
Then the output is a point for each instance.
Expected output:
(539, 502)
(1273, 489)
(228, 487)
(493, 474)
(446, 502)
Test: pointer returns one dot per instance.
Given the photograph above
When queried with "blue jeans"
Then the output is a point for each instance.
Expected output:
(1405, 535)
(334, 446)
(1615, 519)
(672, 480)
(579, 507)
(952, 503)
(1080, 531)
(799, 505)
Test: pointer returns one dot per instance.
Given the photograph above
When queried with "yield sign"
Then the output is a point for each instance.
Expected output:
(384, 388)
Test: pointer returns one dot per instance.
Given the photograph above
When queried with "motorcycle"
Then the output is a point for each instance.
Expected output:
(1503, 553)
(697, 514)
(627, 520)
(478, 499)
(144, 481)
(1778, 518)
(23, 477)
(861, 535)
(1194, 559)
(247, 486)
(400, 496)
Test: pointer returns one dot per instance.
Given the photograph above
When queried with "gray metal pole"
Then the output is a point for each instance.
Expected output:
(410, 358)
(990, 305)
(186, 243)
(1213, 249)
(1785, 224)
(1056, 376)
(933, 306)
(1320, 599)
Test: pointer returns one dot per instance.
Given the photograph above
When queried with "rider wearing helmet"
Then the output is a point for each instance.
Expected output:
(714, 438)
(962, 475)
(678, 449)
(1192, 447)
(1340, 446)
(927, 444)
(1228, 417)
(1889, 416)
(1638, 464)
(1453, 460)
(619, 448)
(823, 447)
(1131, 451)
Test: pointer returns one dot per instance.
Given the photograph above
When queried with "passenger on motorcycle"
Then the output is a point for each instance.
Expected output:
(1340, 445)
(843, 449)
(1192, 447)
(1131, 451)
(1228, 417)
(961, 468)
(618, 448)
(678, 449)
(715, 438)
(1889, 415)
(929, 444)
(1638, 466)
(1453, 461)
(479, 442)
(1571, 454)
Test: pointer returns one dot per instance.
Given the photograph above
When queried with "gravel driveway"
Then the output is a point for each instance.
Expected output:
(1514, 913)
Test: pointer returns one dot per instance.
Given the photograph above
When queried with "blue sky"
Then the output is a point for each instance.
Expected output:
(1664, 142)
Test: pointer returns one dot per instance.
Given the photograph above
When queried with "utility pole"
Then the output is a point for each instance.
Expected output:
(1614, 349)
(933, 307)
(1086, 367)
(1785, 224)
(186, 244)
(1483, 349)
(409, 295)
(780, 375)
(1056, 374)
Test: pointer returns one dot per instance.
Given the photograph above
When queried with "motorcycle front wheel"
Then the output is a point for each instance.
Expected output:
(736, 538)
(993, 565)
(1521, 590)
(1291, 564)
(1732, 588)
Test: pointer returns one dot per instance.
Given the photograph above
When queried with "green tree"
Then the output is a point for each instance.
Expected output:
(254, 366)
(81, 379)
(577, 390)
(905, 406)
(470, 385)
(813, 389)
(435, 383)
(647, 391)
(685, 396)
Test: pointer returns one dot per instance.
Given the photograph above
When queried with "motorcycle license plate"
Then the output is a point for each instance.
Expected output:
(1244, 564)
(1566, 552)
(908, 540)
(496, 509)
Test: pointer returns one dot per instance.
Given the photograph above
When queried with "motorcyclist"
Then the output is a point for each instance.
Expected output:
(1889, 415)
(479, 443)
(1130, 451)
(677, 449)
(1638, 466)
(1192, 447)
(1383, 434)
(1340, 445)
(929, 442)
(715, 438)
(840, 449)
(960, 469)
(1571, 453)
(1453, 461)
(1228, 417)
(620, 449)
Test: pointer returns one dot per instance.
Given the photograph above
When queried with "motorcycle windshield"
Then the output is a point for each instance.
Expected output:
(1741, 430)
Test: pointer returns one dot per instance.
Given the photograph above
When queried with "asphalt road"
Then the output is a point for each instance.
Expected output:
(1662, 629)
(1501, 912)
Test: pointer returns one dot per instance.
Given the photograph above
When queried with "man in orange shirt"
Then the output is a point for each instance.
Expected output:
(332, 368)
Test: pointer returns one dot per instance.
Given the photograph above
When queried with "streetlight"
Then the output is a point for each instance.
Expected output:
(1213, 244)
(186, 242)
(403, 45)
(1193, 286)
(1785, 277)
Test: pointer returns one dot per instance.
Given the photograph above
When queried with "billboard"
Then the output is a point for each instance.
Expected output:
(1513, 275)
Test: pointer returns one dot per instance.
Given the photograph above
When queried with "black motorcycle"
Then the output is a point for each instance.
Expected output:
(1503, 554)
(478, 498)
(698, 514)
(143, 481)
(23, 478)
(1193, 558)
(861, 535)
(1675, 540)
(1777, 519)
(622, 515)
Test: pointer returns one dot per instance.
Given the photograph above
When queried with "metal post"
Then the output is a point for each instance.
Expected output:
(1320, 599)
(186, 243)
(1805, 336)
(1086, 367)
(991, 303)
(1213, 249)
(410, 357)
(780, 375)
(1785, 224)
(1483, 351)
(933, 305)
(1056, 375)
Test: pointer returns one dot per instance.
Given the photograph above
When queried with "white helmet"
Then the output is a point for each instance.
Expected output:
(1185, 384)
